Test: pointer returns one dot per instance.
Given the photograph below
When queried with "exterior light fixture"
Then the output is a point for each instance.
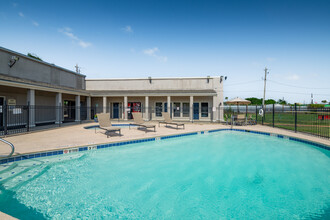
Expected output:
(223, 78)
(12, 61)
(149, 79)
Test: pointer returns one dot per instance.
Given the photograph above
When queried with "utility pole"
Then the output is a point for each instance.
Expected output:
(263, 100)
(312, 101)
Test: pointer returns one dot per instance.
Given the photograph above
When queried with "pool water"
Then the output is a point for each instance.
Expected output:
(224, 175)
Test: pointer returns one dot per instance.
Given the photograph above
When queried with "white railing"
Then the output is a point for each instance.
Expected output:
(11, 145)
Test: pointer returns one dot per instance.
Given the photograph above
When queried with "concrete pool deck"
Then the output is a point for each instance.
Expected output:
(77, 135)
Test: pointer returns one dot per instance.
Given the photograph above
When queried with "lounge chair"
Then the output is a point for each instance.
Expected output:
(228, 119)
(168, 121)
(138, 121)
(241, 119)
(105, 124)
(251, 121)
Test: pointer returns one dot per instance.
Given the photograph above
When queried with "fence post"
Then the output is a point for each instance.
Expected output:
(246, 111)
(295, 117)
(28, 117)
(273, 115)
(262, 117)
(256, 114)
(5, 121)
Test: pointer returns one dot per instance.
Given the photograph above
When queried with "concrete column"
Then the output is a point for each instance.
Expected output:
(31, 100)
(125, 108)
(169, 105)
(88, 105)
(59, 109)
(215, 105)
(104, 104)
(77, 107)
(147, 108)
(191, 108)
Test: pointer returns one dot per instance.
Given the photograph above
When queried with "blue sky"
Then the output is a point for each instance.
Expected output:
(119, 39)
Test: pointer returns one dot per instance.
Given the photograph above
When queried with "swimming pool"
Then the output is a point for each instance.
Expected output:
(220, 175)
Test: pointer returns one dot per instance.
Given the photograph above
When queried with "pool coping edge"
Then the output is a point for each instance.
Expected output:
(80, 148)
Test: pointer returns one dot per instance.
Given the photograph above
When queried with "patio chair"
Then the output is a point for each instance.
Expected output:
(228, 119)
(105, 124)
(138, 121)
(168, 121)
(241, 119)
(251, 121)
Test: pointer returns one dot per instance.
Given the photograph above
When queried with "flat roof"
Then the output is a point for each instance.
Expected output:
(41, 62)
(153, 78)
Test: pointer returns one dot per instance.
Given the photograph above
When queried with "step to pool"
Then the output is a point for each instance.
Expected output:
(16, 173)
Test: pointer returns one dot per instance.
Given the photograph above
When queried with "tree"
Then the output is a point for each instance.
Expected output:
(282, 102)
(255, 101)
(34, 56)
(270, 101)
(324, 101)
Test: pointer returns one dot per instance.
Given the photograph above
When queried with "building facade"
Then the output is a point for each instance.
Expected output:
(197, 98)
(55, 95)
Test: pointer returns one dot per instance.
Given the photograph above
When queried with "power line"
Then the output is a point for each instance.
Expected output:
(302, 87)
(241, 83)
(299, 93)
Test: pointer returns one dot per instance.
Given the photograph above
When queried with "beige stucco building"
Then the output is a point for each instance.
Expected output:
(190, 98)
(55, 94)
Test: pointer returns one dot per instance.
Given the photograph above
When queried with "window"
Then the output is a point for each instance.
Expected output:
(185, 109)
(204, 109)
(159, 109)
(176, 109)
(165, 107)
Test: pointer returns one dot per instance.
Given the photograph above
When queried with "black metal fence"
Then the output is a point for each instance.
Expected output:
(292, 117)
(24, 118)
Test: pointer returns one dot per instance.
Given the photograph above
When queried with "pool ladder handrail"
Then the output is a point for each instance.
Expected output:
(11, 145)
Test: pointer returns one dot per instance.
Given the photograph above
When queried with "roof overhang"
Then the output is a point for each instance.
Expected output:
(120, 93)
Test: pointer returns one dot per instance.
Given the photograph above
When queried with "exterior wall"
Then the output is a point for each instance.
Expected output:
(97, 105)
(203, 83)
(20, 95)
(203, 89)
(45, 111)
(38, 71)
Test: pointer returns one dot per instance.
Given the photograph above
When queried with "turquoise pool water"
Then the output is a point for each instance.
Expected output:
(224, 175)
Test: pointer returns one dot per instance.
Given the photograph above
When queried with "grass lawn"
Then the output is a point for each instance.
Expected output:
(307, 122)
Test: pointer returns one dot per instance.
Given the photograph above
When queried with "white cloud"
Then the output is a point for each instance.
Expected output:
(270, 59)
(84, 44)
(153, 53)
(35, 23)
(69, 33)
(292, 77)
(128, 29)
(21, 14)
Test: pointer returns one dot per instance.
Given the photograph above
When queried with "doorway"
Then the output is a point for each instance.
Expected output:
(196, 111)
(115, 110)
(133, 107)
(69, 110)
